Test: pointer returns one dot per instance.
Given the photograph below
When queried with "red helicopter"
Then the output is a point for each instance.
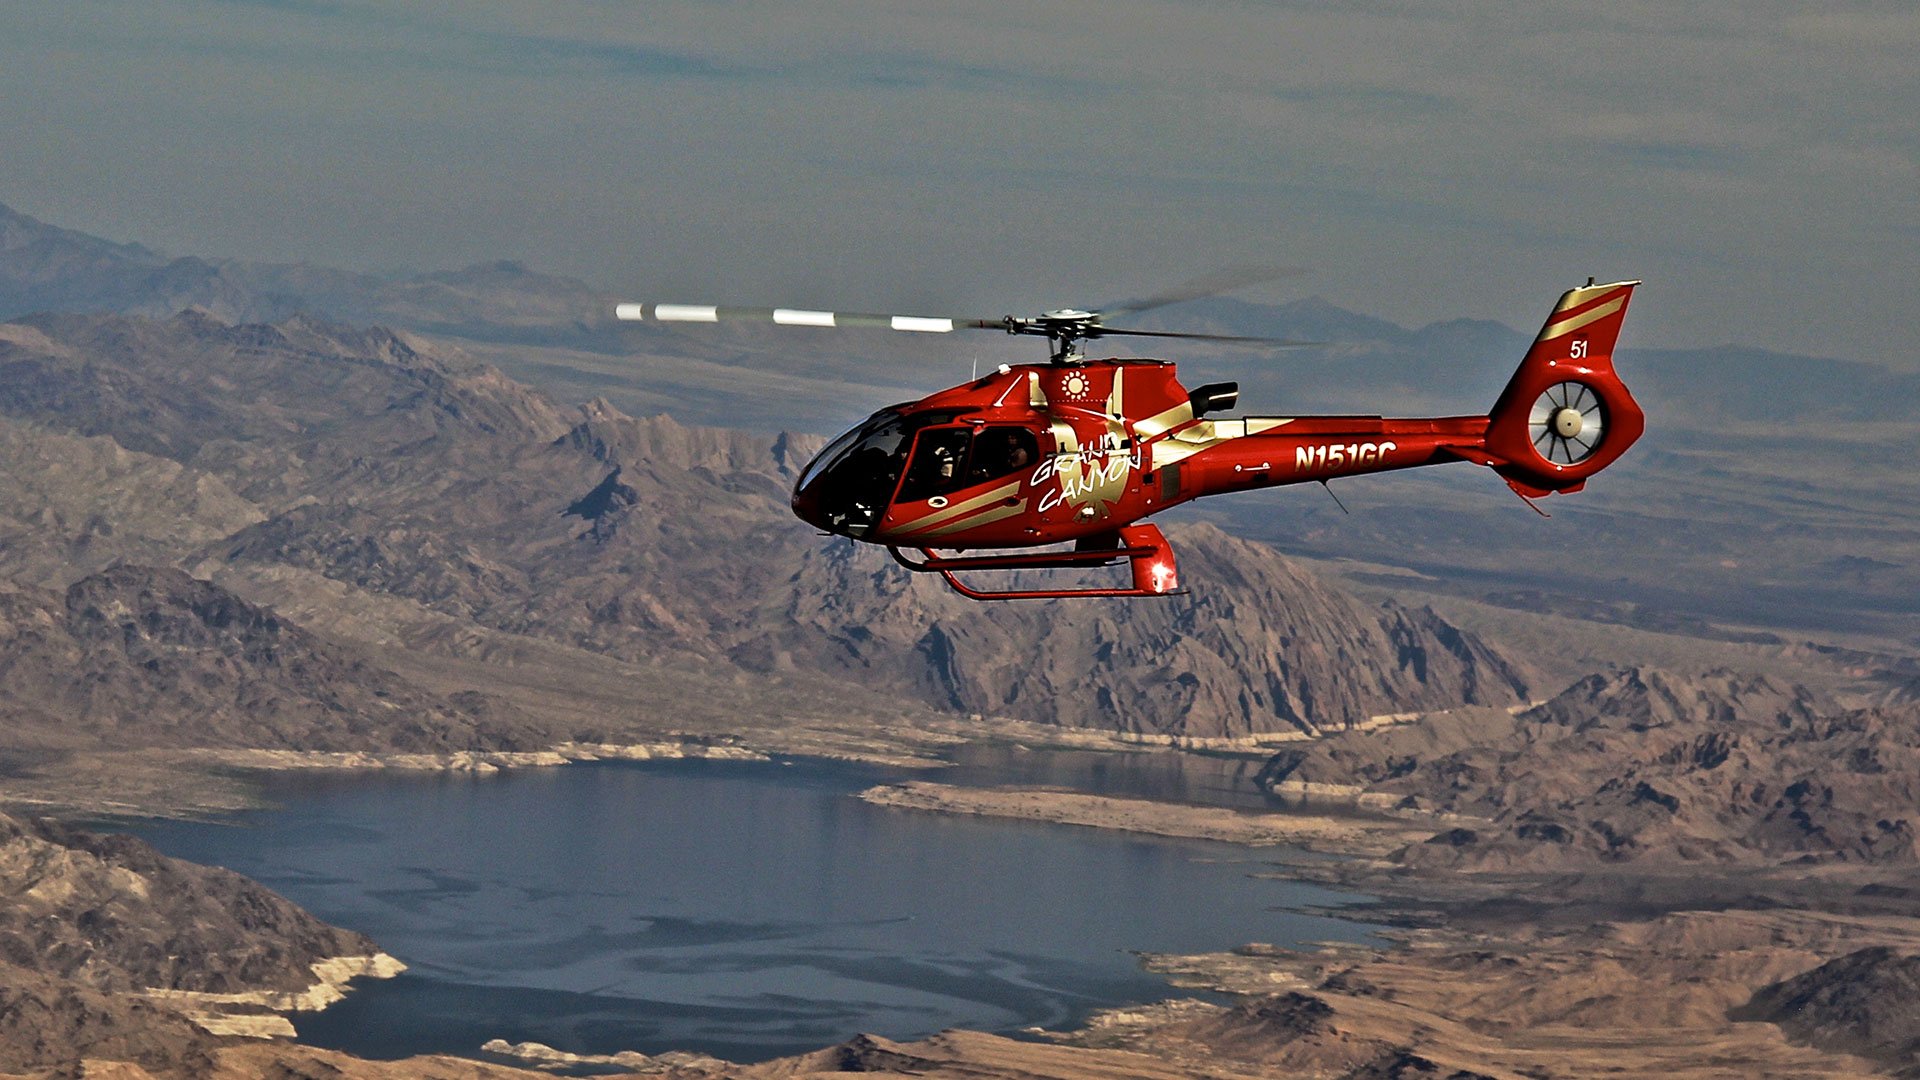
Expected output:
(1081, 450)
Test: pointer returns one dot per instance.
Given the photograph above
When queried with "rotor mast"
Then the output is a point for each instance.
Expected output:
(1064, 330)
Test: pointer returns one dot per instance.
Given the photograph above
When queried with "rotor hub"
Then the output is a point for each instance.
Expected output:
(1567, 422)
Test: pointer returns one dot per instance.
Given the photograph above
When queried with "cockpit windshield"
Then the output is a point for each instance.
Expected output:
(853, 478)
(836, 449)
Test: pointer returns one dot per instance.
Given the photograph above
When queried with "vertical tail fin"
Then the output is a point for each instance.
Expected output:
(1565, 414)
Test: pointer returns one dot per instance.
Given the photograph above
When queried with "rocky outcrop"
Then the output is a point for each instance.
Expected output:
(112, 913)
(48, 1022)
(1300, 1033)
(110, 949)
(1866, 1003)
(1640, 765)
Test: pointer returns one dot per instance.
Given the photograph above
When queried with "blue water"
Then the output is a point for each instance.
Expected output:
(747, 910)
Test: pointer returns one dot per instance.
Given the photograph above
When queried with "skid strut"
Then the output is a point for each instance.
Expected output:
(1148, 553)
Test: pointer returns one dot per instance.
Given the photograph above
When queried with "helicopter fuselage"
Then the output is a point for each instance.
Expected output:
(1083, 452)
(1043, 454)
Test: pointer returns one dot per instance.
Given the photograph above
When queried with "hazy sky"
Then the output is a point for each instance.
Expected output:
(1758, 163)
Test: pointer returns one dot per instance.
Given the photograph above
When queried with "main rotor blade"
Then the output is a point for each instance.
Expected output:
(918, 324)
(1238, 277)
(1278, 343)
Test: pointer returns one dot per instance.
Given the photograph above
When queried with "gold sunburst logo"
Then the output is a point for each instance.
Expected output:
(1075, 385)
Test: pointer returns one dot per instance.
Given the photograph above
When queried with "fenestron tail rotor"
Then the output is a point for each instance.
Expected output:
(1567, 423)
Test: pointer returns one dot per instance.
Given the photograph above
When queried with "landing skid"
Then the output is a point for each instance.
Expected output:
(1147, 552)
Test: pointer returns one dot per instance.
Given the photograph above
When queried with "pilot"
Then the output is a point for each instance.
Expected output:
(869, 480)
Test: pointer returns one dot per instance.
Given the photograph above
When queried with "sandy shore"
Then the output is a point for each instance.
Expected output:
(1346, 836)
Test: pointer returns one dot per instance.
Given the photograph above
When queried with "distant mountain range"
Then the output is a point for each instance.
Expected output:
(1369, 364)
(46, 268)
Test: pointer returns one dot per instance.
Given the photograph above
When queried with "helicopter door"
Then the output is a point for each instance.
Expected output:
(937, 465)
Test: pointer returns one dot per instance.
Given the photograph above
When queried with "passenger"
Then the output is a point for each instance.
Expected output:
(1001, 452)
(1017, 454)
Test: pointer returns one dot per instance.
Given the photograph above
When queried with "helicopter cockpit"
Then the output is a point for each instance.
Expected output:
(848, 486)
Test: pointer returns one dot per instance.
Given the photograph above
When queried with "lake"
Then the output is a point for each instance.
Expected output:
(747, 910)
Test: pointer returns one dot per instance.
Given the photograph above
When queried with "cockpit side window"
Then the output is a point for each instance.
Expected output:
(939, 456)
(1001, 451)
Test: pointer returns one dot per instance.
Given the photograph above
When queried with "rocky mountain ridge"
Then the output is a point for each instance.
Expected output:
(1729, 523)
(1639, 766)
(137, 656)
(402, 469)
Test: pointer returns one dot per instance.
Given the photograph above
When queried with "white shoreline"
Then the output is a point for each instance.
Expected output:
(472, 761)
(207, 1009)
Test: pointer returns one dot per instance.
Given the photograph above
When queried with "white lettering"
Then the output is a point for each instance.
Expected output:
(1333, 456)
(1085, 473)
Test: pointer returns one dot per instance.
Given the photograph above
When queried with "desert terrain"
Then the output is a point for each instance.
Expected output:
(1636, 785)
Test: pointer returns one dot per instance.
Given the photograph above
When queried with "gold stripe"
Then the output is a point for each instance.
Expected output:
(1568, 326)
(1210, 433)
(1168, 453)
(955, 510)
(986, 518)
(1163, 421)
